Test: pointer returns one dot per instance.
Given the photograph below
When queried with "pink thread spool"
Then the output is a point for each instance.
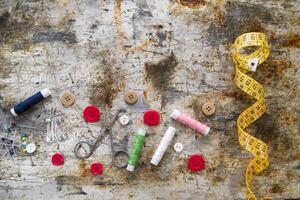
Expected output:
(190, 122)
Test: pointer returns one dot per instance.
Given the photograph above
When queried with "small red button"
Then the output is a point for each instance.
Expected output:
(57, 159)
(151, 118)
(196, 163)
(91, 114)
(96, 168)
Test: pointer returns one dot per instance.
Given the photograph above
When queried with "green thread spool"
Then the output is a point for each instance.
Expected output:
(136, 150)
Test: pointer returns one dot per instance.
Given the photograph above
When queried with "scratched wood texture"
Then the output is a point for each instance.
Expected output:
(175, 54)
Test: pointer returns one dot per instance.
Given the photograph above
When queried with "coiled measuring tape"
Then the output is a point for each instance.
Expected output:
(245, 63)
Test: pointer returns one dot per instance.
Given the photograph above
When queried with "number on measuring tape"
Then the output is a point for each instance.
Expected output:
(245, 63)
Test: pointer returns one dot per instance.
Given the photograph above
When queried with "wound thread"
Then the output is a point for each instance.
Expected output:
(136, 150)
(31, 101)
(163, 145)
(190, 122)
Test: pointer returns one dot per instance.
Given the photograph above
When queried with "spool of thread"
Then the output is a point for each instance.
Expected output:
(136, 150)
(31, 101)
(190, 122)
(163, 145)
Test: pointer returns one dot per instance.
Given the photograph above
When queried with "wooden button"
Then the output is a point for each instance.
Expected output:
(208, 108)
(131, 97)
(67, 99)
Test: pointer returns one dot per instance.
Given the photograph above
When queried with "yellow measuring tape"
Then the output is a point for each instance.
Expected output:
(245, 63)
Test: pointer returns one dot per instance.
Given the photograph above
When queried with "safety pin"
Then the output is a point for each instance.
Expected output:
(29, 127)
(49, 119)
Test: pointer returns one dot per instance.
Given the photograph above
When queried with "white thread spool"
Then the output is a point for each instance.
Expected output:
(163, 145)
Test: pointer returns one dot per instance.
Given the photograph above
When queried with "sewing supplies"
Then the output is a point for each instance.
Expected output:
(151, 118)
(130, 97)
(54, 132)
(120, 158)
(124, 119)
(24, 137)
(119, 154)
(57, 159)
(196, 163)
(16, 142)
(26, 127)
(67, 99)
(96, 168)
(8, 137)
(8, 144)
(11, 151)
(136, 149)
(7, 129)
(163, 145)
(91, 114)
(208, 108)
(243, 64)
(31, 101)
(23, 146)
(85, 149)
(178, 147)
(190, 122)
(30, 148)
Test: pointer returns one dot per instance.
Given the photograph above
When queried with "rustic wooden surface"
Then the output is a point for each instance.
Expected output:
(176, 54)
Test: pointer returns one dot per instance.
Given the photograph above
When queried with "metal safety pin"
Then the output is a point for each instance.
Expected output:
(53, 133)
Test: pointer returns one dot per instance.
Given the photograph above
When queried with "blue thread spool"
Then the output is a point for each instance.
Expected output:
(31, 101)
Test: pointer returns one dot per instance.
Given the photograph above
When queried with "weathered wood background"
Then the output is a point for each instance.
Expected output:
(176, 54)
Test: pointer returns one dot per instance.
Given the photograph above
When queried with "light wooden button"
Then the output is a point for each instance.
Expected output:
(208, 108)
(67, 99)
(131, 97)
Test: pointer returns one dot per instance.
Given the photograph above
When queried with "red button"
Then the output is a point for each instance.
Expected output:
(91, 114)
(151, 118)
(96, 168)
(196, 163)
(57, 159)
